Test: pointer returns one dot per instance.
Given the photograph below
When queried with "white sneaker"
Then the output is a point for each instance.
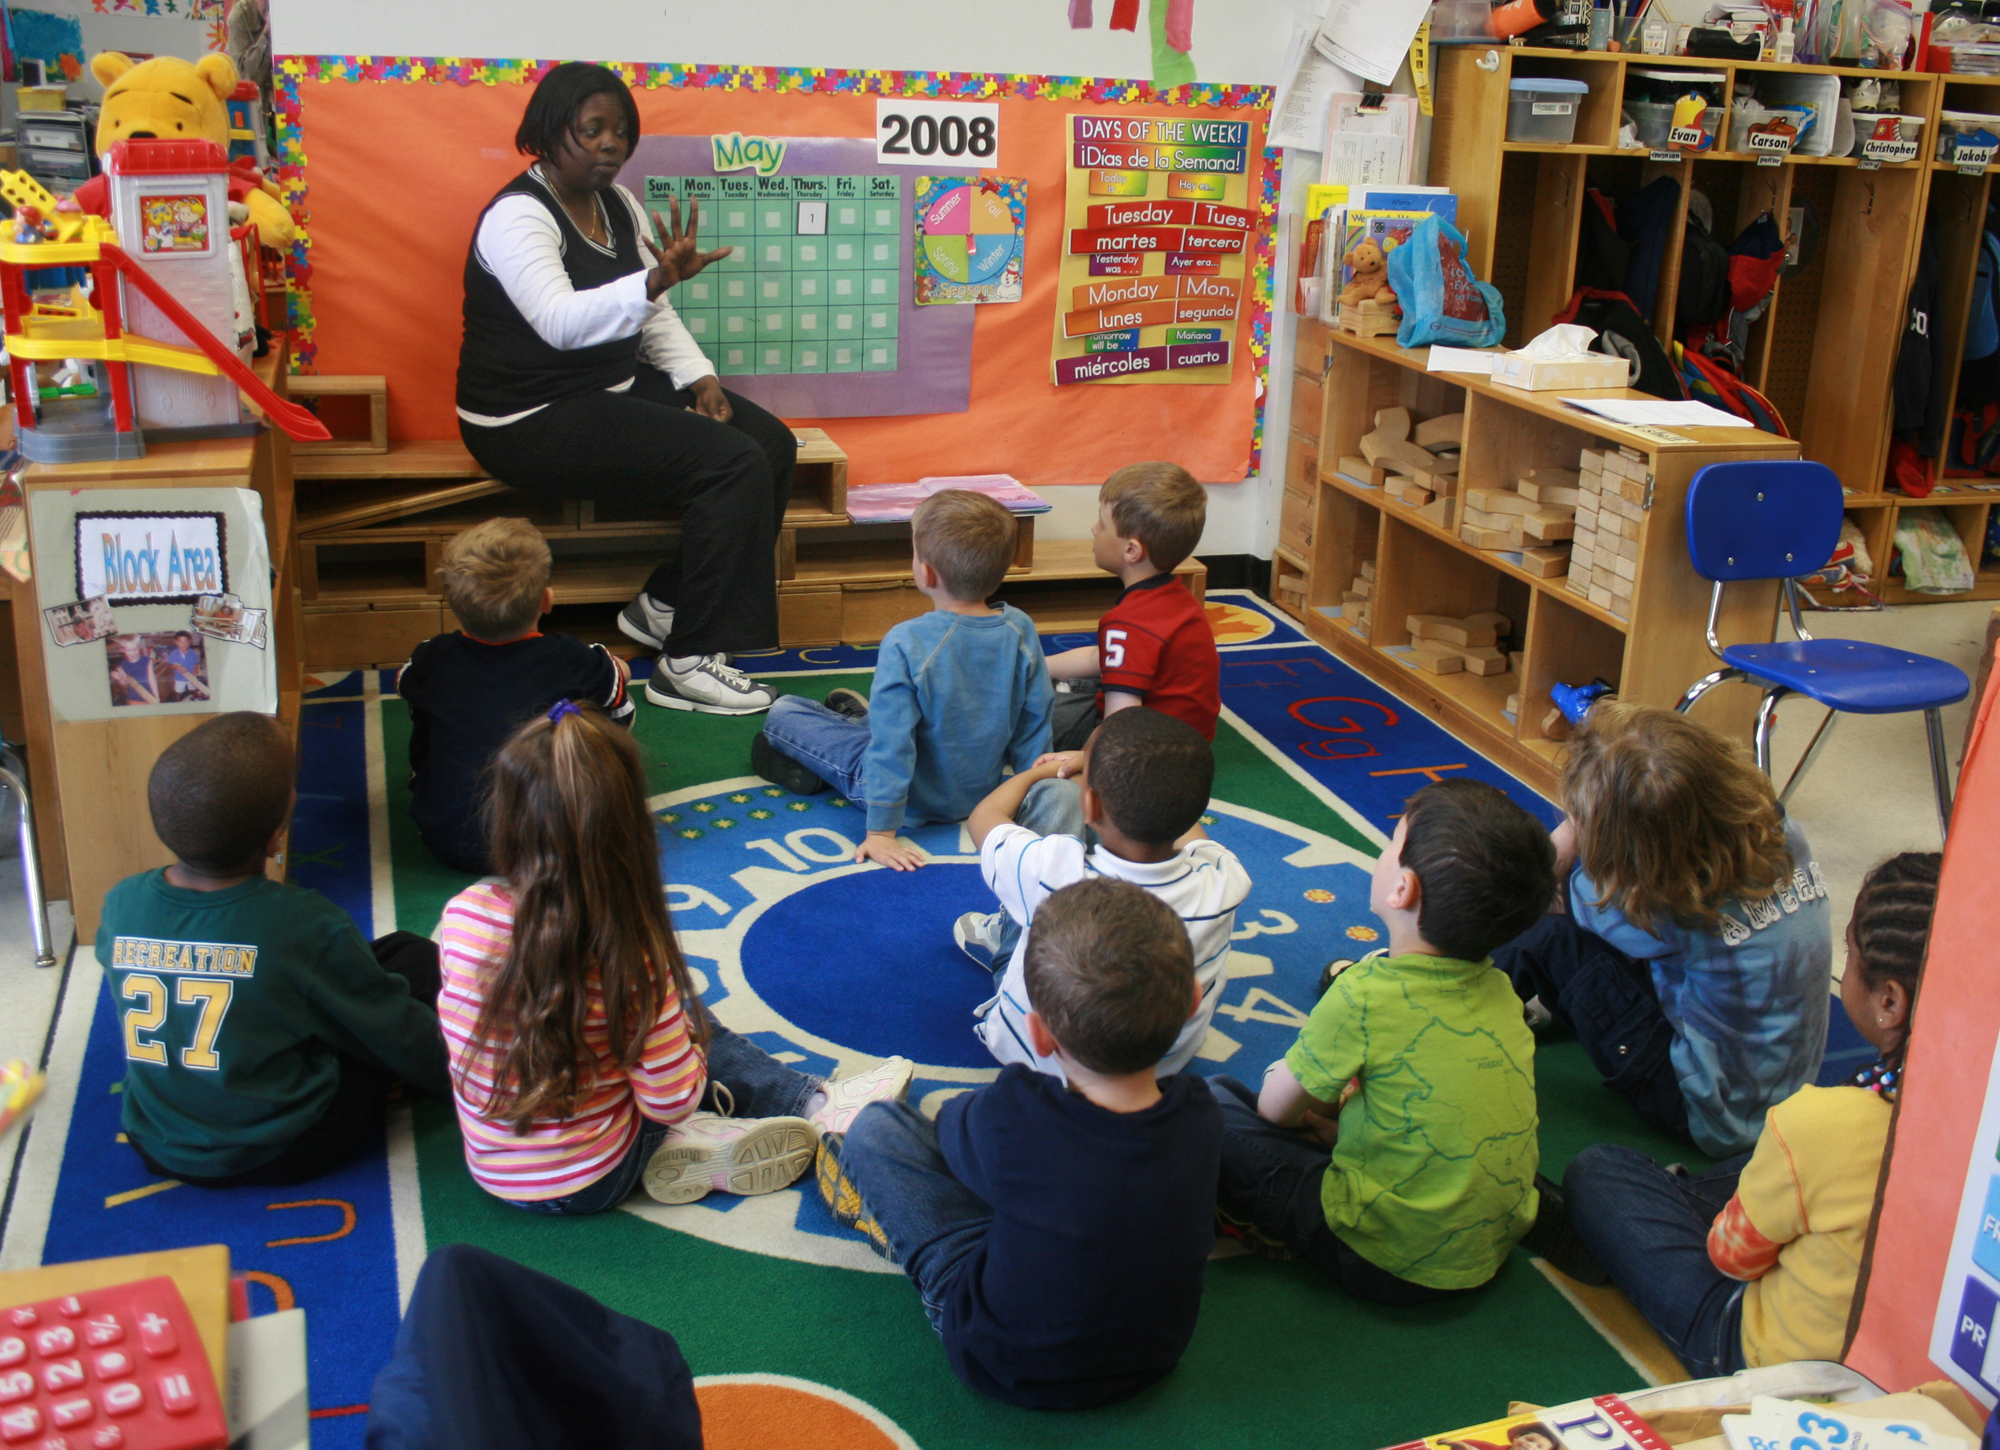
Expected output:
(712, 1154)
(710, 686)
(978, 936)
(886, 1082)
(646, 621)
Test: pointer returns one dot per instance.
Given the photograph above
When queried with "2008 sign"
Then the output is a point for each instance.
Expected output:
(927, 133)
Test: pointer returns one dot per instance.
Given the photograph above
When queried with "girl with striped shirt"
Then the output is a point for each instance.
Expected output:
(583, 1064)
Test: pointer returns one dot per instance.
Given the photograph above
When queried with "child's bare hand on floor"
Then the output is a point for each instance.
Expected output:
(883, 848)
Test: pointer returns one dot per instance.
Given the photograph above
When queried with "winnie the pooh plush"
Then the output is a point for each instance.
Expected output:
(1370, 280)
(172, 99)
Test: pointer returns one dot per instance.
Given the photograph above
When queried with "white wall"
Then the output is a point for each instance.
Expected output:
(1238, 41)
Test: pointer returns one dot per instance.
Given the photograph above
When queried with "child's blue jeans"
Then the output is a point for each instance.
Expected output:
(826, 742)
(932, 1221)
(1649, 1229)
(1271, 1180)
(758, 1086)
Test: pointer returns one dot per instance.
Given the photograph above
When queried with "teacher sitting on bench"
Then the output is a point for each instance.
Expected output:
(576, 378)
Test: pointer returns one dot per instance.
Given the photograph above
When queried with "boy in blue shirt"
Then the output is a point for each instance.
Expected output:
(1057, 1232)
(959, 693)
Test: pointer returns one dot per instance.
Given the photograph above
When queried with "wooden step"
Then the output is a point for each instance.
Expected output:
(374, 389)
(360, 504)
(423, 459)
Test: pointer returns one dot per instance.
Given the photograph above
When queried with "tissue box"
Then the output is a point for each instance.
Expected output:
(1540, 374)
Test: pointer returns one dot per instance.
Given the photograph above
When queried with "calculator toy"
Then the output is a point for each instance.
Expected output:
(110, 1369)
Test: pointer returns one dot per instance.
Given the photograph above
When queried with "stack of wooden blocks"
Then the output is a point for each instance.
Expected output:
(1605, 560)
(1417, 463)
(1476, 644)
(1357, 603)
(1292, 591)
(1534, 518)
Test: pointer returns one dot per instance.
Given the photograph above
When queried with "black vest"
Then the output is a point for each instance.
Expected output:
(504, 366)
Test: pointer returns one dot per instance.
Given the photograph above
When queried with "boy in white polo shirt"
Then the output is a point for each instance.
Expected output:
(1146, 779)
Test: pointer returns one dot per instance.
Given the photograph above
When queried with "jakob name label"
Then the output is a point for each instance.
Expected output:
(1105, 366)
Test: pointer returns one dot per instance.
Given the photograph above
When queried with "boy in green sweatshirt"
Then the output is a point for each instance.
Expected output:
(262, 1033)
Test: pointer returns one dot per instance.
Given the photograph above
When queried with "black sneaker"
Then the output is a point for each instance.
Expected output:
(780, 769)
(851, 703)
(1555, 1239)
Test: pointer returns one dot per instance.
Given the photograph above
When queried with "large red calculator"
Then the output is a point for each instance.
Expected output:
(109, 1369)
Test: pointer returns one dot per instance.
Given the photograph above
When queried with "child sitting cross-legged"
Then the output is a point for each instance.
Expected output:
(583, 1065)
(262, 1031)
(1694, 958)
(1144, 781)
(959, 693)
(469, 690)
(1394, 1145)
(1056, 1228)
(1755, 1261)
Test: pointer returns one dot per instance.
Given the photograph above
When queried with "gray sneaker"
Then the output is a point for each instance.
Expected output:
(646, 621)
(978, 935)
(710, 687)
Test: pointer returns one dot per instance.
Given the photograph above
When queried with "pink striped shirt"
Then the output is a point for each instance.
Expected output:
(556, 1156)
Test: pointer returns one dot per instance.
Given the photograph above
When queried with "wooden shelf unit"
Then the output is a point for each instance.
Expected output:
(1420, 568)
(1825, 351)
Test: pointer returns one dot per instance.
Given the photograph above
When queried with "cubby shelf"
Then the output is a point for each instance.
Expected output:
(1417, 566)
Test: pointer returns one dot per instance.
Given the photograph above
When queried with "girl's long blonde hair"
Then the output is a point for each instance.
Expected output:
(1671, 819)
(569, 829)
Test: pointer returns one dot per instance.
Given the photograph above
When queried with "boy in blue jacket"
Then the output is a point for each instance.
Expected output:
(959, 693)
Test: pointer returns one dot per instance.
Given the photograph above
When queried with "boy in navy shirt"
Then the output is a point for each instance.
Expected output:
(469, 690)
(1057, 1234)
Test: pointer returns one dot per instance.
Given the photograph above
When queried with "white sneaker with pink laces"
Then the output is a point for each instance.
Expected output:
(709, 1153)
(886, 1082)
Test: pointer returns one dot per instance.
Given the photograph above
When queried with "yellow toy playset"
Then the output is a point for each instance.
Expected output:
(170, 278)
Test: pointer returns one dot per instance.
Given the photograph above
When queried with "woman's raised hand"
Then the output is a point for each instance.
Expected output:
(679, 255)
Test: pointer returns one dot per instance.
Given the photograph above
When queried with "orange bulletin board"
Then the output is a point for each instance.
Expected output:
(389, 163)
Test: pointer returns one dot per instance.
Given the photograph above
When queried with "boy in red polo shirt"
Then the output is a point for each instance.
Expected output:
(1154, 648)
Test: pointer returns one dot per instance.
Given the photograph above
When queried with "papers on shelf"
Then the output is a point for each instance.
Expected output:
(1368, 145)
(1658, 412)
(1461, 360)
(1306, 87)
(1370, 37)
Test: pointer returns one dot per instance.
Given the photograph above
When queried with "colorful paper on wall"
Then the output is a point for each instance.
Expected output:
(970, 238)
(1159, 231)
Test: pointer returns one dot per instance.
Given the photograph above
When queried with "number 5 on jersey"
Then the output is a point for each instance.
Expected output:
(148, 994)
(1114, 650)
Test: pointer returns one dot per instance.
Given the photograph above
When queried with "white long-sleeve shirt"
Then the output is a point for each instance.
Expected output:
(521, 245)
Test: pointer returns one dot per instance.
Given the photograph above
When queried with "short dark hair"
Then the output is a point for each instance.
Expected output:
(968, 538)
(1152, 774)
(184, 634)
(1159, 504)
(1487, 867)
(1110, 970)
(552, 109)
(219, 793)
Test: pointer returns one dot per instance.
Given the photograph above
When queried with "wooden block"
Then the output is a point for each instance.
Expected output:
(1491, 619)
(1483, 659)
(1396, 455)
(1621, 587)
(1628, 549)
(1498, 501)
(1436, 432)
(1548, 525)
(1435, 482)
(1555, 477)
(1545, 563)
(1514, 661)
(1600, 596)
(1589, 462)
(1353, 597)
(1395, 422)
(1624, 568)
(1555, 725)
(1633, 491)
(1488, 538)
(1365, 588)
(1630, 455)
(1409, 491)
(1367, 568)
(1362, 469)
(1438, 512)
(1513, 705)
(1436, 661)
(1580, 560)
(1548, 493)
(1445, 463)
(1456, 633)
(1479, 519)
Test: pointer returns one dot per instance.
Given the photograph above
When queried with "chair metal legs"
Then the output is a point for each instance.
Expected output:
(1940, 771)
(13, 773)
(1706, 683)
(1820, 737)
(1767, 715)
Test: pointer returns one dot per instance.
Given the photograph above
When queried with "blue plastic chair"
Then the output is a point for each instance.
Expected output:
(1779, 520)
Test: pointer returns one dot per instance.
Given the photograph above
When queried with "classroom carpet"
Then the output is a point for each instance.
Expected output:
(798, 1333)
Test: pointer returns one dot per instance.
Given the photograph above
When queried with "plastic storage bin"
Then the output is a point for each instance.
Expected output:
(1543, 109)
(1650, 97)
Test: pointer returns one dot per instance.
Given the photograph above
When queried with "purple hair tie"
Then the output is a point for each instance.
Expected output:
(562, 708)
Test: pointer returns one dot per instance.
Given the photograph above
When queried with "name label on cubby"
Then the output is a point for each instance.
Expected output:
(1689, 136)
(1771, 141)
(1770, 159)
(1658, 435)
(1896, 149)
(1971, 160)
(1667, 156)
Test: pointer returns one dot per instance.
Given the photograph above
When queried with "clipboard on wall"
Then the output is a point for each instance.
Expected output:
(1370, 139)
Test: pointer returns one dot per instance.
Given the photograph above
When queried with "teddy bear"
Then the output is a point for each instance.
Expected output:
(1370, 271)
(172, 99)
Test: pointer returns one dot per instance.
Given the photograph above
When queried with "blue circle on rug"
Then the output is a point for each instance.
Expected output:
(867, 960)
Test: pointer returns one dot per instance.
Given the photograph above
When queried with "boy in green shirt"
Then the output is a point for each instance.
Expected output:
(1394, 1145)
(261, 1032)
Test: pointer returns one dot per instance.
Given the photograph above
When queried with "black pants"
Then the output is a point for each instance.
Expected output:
(1607, 999)
(1074, 718)
(644, 449)
(352, 1122)
(498, 1357)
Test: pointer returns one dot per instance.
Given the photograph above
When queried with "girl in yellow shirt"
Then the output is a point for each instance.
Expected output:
(1755, 1261)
